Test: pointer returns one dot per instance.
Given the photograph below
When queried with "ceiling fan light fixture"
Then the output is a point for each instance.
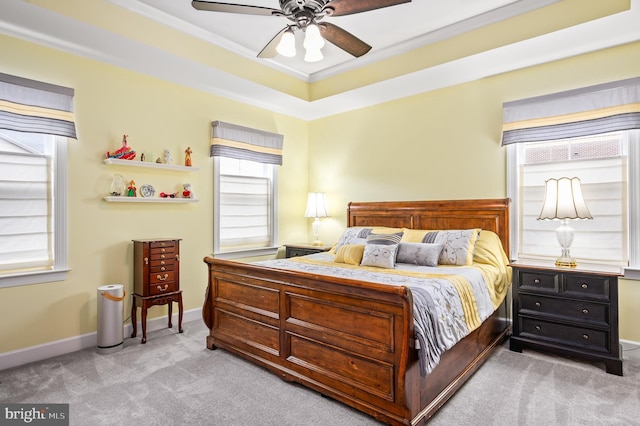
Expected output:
(312, 39)
(313, 55)
(287, 45)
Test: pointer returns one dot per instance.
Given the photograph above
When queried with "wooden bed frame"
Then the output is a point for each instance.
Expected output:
(350, 340)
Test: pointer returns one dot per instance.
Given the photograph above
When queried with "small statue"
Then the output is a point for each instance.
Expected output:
(131, 189)
(187, 156)
(123, 153)
(186, 191)
(167, 157)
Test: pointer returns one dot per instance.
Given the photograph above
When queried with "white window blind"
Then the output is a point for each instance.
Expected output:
(600, 162)
(25, 205)
(244, 212)
(244, 209)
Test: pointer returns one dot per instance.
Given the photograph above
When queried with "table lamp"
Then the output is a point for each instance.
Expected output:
(316, 208)
(563, 201)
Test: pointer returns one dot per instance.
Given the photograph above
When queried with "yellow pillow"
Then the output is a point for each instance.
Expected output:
(350, 254)
(413, 235)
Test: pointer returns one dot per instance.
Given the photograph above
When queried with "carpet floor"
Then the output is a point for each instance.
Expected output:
(175, 380)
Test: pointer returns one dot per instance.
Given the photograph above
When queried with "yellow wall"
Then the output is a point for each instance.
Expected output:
(438, 145)
(156, 115)
(445, 144)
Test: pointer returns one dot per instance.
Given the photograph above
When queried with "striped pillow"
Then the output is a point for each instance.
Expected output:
(384, 239)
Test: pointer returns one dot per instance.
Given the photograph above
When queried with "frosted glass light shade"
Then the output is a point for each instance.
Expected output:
(312, 39)
(287, 45)
(313, 55)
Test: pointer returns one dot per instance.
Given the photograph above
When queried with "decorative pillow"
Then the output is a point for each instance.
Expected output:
(419, 253)
(457, 245)
(349, 253)
(413, 235)
(384, 239)
(350, 235)
(380, 255)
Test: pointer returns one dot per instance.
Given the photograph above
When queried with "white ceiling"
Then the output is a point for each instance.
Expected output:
(390, 31)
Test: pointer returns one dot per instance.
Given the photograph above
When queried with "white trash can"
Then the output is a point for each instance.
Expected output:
(110, 318)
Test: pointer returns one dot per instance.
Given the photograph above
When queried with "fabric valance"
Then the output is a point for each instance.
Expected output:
(244, 143)
(587, 111)
(36, 107)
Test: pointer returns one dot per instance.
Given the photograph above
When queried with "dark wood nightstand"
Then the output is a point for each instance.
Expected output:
(294, 250)
(569, 311)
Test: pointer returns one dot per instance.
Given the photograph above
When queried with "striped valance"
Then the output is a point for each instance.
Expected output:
(587, 111)
(244, 143)
(36, 107)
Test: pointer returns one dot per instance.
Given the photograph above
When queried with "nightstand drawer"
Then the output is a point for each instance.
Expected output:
(539, 281)
(574, 310)
(596, 340)
(586, 286)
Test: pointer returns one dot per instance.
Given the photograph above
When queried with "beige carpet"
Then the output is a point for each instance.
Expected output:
(175, 380)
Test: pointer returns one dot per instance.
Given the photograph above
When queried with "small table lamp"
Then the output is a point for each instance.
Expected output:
(317, 207)
(563, 201)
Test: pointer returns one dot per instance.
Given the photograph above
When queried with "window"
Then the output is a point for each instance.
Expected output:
(606, 164)
(245, 208)
(33, 203)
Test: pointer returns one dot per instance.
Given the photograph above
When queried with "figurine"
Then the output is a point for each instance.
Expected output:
(142, 157)
(167, 157)
(186, 191)
(187, 156)
(124, 153)
(131, 189)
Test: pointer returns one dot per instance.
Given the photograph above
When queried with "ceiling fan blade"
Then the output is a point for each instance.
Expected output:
(213, 6)
(269, 51)
(349, 7)
(343, 39)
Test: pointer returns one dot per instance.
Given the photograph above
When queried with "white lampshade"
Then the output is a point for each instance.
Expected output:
(563, 200)
(287, 45)
(317, 205)
(317, 208)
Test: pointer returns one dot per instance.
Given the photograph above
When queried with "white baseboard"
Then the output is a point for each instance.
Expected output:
(630, 350)
(84, 341)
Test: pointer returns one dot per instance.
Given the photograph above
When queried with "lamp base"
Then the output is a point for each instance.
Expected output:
(317, 243)
(566, 263)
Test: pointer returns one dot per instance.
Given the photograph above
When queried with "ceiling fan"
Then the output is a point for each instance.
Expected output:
(306, 15)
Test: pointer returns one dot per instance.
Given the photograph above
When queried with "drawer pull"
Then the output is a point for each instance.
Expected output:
(584, 285)
(146, 260)
(162, 256)
(585, 336)
(538, 304)
(164, 269)
(536, 281)
(585, 311)
(178, 257)
(166, 286)
(163, 278)
(162, 250)
(162, 262)
(538, 328)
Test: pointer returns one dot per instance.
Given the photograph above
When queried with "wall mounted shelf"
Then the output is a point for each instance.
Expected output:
(136, 163)
(150, 200)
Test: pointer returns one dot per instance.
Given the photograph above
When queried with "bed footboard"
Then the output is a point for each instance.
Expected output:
(349, 340)
(346, 339)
